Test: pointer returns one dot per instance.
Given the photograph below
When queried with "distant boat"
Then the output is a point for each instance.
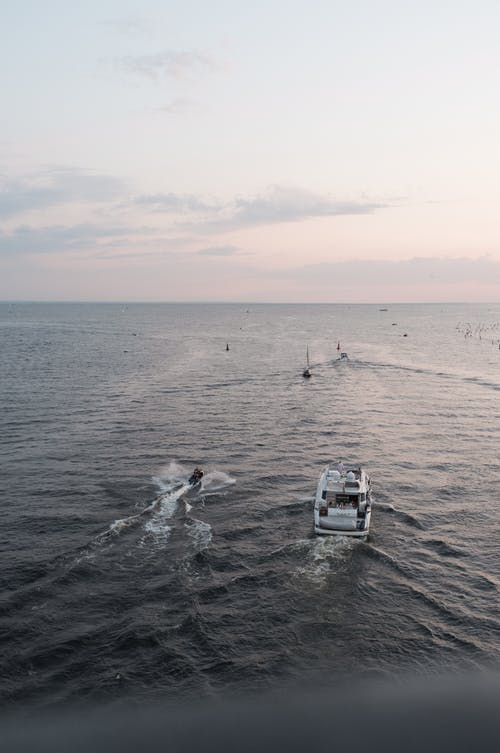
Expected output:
(307, 371)
(383, 309)
(343, 357)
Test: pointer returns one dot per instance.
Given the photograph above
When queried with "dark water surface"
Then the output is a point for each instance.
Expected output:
(114, 586)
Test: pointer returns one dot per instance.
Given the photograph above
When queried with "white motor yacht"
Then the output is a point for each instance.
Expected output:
(343, 502)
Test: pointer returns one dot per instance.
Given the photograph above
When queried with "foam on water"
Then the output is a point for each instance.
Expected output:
(158, 530)
(200, 533)
(117, 527)
(214, 481)
(159, 526)
(324, 554)
(385, 506)
(159, 510)
(171, 474)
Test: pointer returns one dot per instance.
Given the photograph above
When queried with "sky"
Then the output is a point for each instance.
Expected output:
(274, 151)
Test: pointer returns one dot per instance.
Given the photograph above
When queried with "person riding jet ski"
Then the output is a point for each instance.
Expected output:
(196, 476)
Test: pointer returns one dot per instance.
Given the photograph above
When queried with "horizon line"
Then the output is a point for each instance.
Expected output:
(125, 302)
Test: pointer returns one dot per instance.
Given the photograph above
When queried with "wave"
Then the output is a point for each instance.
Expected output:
(376, 553)
(454, 615)
(292, 508)
(443, 548)
(483, 383)
(418, 370)
(384, 506)
(405, 517)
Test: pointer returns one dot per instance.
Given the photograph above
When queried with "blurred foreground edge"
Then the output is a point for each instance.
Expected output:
(459, 713)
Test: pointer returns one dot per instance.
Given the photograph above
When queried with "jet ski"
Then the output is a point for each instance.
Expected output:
(196, 477)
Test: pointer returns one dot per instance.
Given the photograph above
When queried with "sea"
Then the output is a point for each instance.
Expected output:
(119, 583)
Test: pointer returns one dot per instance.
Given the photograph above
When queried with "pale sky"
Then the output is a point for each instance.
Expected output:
(277, 150)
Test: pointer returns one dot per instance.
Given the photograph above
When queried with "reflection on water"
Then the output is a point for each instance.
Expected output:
(114, 566)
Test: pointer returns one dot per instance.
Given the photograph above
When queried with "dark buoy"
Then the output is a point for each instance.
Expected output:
(227, 346)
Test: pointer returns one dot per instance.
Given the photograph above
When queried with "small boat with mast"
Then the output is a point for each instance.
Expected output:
(307, 371)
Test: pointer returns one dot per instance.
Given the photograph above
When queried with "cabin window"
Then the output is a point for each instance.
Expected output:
(343, 499)
(347, 500)
(323, 494)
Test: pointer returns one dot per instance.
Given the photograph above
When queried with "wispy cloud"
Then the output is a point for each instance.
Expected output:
(293, 204)
(170, 63)
(173, 203)
(280, 204)
(179, 106)
(95, 240)
(129, 27)
(218, 251)
(277, 205)
(57, 238)
(55, 186)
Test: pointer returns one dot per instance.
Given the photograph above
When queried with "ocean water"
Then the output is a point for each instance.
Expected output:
(116, 584)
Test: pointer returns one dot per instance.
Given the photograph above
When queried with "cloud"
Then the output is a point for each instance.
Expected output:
(57, 238)
(218, 251)
(96, 241)
(53, 187)
(128, 26)
(279, 205)
(275, 206)
(292, 204)
(172, 203)
(179, 106)
(416, 271)
(171, 63)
